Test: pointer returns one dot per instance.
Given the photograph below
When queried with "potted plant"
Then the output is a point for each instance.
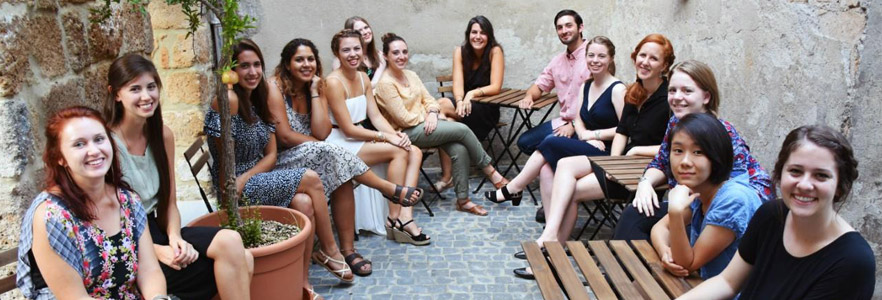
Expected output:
(278, 267)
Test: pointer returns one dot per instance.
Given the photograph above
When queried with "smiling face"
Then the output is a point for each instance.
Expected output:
(350, 53)
(649, 61)
(567, 30)
(597, 57)
(85, 149)
(303, 64)
(808, 181)
(685, 96)
(397, 55)
(477, 37)
(139, 97)
(690, 165)
(250, 69)
(365, 30)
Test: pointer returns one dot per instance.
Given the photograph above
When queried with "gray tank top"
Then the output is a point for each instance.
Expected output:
(140, 173)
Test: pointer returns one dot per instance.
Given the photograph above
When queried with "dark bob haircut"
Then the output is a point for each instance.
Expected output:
(714, 141)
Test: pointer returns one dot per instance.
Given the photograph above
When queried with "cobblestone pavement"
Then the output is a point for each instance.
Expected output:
(470, 256)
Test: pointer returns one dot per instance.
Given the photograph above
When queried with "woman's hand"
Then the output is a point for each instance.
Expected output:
(177, 255)
(240, 183)
(680, 197)
(597, 144)
(399, 139)
(316, 85)
(464, 106)
(668, 263)
(431, 123)
(645, 200)
(565, 130)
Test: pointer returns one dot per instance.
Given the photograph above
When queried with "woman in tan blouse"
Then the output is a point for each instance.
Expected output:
(405, 102)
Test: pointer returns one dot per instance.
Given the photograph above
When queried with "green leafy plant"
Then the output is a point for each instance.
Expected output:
(232, 26)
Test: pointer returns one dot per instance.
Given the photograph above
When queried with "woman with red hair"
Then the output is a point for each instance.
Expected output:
(86, 234)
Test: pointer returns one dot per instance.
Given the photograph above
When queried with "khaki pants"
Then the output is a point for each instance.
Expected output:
(458, 141)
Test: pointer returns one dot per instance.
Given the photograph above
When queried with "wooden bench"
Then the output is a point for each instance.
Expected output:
(7, 257)
(612, 269)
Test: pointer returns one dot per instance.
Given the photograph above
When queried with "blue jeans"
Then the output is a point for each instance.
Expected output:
(529, 140)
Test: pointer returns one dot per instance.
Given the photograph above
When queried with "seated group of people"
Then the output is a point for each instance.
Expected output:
(302, 140)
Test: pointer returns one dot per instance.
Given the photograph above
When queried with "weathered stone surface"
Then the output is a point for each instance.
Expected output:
(16, 142)
(77, 49)
(167, 16)
(14, 63)
(105, 38)
(202, 47)
(185, 123)
(137, 33)
(185, 87)
(96, 83)
(49, 5)
(45, 45)
(182, 52)
(64, 94)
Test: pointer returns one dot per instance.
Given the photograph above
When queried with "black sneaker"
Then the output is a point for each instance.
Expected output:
(540, 215)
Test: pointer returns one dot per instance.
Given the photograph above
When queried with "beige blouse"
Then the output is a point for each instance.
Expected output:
(404, 106)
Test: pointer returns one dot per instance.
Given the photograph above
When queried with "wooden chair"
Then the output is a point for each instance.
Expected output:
(200, 162)
(8, 257)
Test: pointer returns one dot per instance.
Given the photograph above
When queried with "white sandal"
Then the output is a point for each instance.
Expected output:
(341, 273)
(441, 185)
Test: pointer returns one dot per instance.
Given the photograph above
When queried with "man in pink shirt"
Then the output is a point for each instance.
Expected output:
(566, 72)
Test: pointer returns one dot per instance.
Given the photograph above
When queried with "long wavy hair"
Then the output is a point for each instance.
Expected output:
(636, 93)
(257, 97)
(286, 77)
(370, 49)
(58, 179)
(122, 71)
(468, 53)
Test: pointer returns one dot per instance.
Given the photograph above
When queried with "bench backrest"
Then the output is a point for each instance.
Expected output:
(442, 89)
(7, 257)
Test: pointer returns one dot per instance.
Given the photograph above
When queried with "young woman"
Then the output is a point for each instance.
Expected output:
(374, 64)
(800, 248)
(351, 102)
(255, 146)
(639, 133)
(708, 211)
(404, 100)
(478, 69)
(198, 262)
(601, 100)
(693, 89)
(85, 235)
(300, 112)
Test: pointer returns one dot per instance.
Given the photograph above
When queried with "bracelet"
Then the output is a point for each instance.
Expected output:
(597, 135)
(482, 92)
(316, 96)
(380, 138)
(643, 178)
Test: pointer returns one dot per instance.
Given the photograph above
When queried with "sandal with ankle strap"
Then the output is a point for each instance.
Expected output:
(311, 294)
(406, 202)
(443, 185)
(356, 267)
(506, 196)
(341, 273)
(404, 236)
(390, 229)
(475, 210)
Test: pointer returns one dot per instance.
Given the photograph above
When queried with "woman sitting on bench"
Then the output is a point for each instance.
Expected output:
(86, 234)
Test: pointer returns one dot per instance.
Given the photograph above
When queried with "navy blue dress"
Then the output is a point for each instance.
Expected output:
(602, 115)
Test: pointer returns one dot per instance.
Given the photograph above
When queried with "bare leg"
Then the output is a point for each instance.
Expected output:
(343, 207)
(446, 166)
(414, 159)
(546, 181)
(568, 171)
(447, 109)
(400, 166)
(314, 199)
(531, 170)
(233, 265)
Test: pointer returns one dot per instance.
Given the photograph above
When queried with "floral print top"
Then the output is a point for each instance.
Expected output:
(760, 181)
(108, 264)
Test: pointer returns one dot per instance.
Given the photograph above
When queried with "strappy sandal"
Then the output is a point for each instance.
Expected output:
(475, 210)
(341, 273)
(356, 267)
(407, 195)
(404, 236)
(442, 185)
(506, 196)
(311, 294)
(390, 228)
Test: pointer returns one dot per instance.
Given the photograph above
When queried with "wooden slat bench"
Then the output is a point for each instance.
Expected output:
(7, 257)
(612, 269)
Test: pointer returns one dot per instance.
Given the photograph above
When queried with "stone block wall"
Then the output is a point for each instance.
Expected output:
(51, 57)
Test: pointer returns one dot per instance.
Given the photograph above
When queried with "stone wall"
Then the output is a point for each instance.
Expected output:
(51, 57)
(780, 64)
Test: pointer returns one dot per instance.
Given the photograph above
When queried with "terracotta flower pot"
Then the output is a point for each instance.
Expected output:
(279, 269)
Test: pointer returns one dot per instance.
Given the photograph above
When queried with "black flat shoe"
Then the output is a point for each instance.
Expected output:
(540, 215)
(522, 273)
(506, 196)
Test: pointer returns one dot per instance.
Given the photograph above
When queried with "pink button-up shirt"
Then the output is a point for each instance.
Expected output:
(566, 72)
